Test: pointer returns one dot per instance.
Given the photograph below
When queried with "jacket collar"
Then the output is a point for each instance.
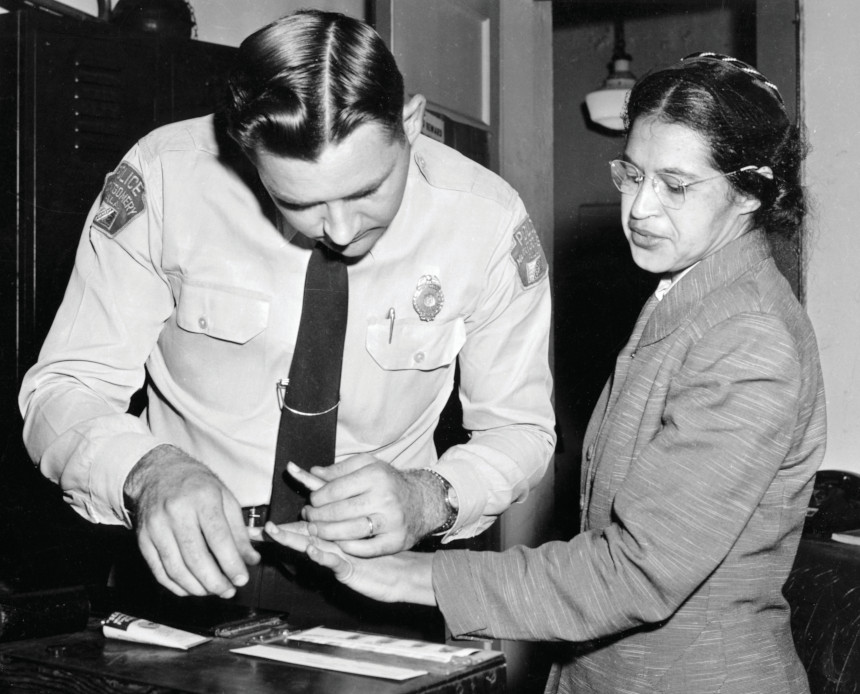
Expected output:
(715, 271)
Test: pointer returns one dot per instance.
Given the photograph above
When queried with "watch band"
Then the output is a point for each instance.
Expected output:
(451, 518)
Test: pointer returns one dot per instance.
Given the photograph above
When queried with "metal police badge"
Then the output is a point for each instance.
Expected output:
(428, 298)
(528, 254)
(123, 198)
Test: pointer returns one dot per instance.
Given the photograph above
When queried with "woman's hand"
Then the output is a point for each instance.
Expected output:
(369, 507)
(403, 577)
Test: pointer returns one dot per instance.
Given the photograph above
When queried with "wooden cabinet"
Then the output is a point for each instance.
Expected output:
(74, 97)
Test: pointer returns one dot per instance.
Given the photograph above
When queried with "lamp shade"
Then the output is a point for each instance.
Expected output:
(606, 105)
(168, 17)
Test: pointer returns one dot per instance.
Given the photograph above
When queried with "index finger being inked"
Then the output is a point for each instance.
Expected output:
(298, 541)
(259, 534)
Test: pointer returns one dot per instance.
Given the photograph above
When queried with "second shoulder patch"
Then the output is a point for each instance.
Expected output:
(527, 254)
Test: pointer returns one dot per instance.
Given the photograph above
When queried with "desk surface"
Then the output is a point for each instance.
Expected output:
(86, 662)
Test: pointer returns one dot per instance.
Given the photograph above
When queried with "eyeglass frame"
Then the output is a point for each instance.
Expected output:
(640, 179)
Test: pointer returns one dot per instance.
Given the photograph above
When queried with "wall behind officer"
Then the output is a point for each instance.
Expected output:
(190, 271)
(701, 452)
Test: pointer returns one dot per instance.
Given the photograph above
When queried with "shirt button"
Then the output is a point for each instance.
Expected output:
(582, 502)
(419, 357)
(202, 323)
(420, 160)
(589, 452)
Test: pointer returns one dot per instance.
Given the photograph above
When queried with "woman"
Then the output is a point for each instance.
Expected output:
(700, 454)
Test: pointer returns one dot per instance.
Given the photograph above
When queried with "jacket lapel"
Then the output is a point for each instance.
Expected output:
(658, 320)
(717, 270)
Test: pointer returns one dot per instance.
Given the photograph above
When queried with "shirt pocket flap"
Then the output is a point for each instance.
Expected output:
(222, 313)
(414, 344)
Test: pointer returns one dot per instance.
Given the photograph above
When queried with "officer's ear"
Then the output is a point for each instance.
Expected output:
(413, 117)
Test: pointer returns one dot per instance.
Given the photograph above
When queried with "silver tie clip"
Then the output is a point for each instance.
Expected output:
(281, 389)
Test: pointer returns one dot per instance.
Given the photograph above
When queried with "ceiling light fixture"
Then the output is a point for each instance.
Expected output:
(606, 105)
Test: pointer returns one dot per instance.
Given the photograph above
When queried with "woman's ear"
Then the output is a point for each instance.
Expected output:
(413, 117)
(749, 203)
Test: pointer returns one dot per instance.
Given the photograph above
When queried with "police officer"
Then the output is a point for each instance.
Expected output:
(189, 279)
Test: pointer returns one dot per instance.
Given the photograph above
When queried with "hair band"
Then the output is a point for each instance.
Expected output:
(740, 65)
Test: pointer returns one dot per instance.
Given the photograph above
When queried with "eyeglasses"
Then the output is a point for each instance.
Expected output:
(671, 191)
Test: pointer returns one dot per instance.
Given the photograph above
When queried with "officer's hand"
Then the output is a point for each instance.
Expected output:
(404, 577)
(368, 507)
(189, 526)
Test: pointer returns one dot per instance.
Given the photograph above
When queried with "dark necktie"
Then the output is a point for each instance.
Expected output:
(306, 435)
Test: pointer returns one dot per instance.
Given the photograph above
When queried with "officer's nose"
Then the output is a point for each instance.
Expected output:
(341, 224)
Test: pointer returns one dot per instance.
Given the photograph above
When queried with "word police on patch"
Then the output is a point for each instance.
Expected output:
(123, 198)
(528, 254)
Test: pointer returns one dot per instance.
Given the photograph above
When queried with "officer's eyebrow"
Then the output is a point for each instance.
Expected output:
(365, 192)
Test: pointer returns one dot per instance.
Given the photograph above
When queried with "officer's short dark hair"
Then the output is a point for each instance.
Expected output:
(310, 79)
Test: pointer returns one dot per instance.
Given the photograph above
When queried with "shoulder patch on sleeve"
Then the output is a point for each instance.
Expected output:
(123, 199)
(527, 254)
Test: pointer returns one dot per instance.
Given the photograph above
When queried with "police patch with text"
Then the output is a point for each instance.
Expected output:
(527, 254)
(123, 199)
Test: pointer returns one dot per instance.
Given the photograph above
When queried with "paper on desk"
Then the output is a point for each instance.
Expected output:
(294, 656)
(376, 643)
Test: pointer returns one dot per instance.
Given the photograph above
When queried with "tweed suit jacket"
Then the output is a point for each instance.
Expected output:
(698, 466)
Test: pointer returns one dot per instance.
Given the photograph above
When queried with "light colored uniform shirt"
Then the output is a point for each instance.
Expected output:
(183, 271)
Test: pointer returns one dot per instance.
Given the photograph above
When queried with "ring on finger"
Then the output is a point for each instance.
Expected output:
(370, 529)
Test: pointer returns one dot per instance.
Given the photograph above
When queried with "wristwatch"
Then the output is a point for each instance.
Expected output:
(450, 506)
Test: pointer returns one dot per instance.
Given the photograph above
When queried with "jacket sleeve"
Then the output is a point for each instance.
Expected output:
(505, 384)
(728, 424)
(74, 399)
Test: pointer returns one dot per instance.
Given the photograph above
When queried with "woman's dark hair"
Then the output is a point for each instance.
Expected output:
(310, 79)
(741, 115)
